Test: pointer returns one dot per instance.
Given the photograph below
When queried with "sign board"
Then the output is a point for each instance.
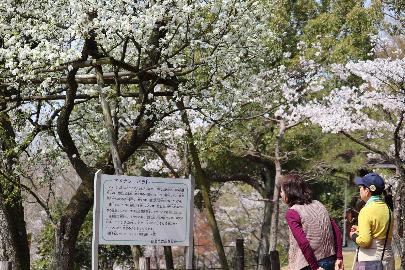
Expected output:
(135, 210)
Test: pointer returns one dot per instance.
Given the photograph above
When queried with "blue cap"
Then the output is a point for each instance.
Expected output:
(372, 181)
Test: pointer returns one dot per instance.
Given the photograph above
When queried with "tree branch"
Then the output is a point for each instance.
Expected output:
(369, 147)
(237, 178)
(162, 157)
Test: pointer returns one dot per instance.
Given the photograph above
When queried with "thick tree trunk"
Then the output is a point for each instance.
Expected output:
(15, 213)
(265, 231)
(69, 224)
(13, 230)
(68, 229)
(80, 204)
(13, 247)
(7, 251)
(82, 201)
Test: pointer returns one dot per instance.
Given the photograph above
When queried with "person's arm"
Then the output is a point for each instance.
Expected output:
(294, 222)
(338, 245)
(363, 235)
(338, 239)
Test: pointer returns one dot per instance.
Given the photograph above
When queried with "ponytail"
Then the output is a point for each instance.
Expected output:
(389, 198)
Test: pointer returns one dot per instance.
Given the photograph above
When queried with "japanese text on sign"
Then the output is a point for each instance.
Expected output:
(144, 211)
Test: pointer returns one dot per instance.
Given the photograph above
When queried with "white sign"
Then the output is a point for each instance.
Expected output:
(144, 210)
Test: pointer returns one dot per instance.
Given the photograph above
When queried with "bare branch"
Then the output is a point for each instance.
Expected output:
(162, 157)
(238, 178)
(369, 147)
(32, 193)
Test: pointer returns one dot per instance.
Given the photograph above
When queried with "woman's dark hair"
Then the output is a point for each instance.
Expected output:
(377, 192)
(389, 198)
(295, 189)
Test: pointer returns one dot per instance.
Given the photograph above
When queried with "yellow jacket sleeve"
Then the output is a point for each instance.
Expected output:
(364, 238)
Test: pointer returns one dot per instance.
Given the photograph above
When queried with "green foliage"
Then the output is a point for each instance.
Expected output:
(45, 248)
(342, 7)
(283, 255)
(342, 28)
(330, 190)
(303, 145)
(107, 254)
(223, 151)
(46, 241)
(341, 154)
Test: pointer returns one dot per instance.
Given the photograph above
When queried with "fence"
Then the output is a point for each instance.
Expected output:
(270, 261)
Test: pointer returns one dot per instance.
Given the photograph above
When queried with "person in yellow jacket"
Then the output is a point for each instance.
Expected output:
(373, 235)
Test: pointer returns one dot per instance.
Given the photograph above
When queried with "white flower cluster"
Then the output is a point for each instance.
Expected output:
(212, 47)
(367, 107)
(219, 35)
(374, 108)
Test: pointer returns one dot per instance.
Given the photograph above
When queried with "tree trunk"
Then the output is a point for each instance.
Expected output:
(265, 231)
(399, 213)
(108, 121)
(275, 215)
(168, 257)
(13, 230)
(204, 187)
(15, 213)
(68, 229)
(75, 213)
(6, 240)
(276, 193)
(136, 255)
(80, 204)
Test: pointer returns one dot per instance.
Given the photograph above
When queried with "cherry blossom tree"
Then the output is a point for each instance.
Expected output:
(372, 115)
(141, 56)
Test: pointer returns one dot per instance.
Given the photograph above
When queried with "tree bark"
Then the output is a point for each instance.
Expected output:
(276, 193)
(80, 204)
(204, 187)
(265, 231)
(136, 255)
(108, 121)
(399, 213)
(14, 245)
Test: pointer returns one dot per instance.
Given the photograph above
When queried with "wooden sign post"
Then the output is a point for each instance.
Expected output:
(136, 210)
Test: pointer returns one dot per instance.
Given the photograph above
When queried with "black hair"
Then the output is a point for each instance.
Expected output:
(389, 198)
(376, 192)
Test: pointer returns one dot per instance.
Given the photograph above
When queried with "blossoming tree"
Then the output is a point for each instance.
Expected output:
(372, 115)
(59, 57)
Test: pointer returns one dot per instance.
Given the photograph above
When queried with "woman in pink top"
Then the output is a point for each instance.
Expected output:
(315, 238)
